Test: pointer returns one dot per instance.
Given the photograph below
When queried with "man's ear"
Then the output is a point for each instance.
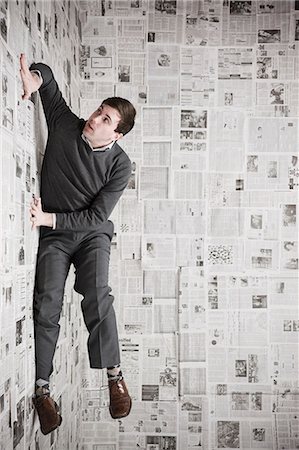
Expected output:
(118, 136)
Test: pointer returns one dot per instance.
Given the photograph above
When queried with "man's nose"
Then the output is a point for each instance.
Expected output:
(97, 120)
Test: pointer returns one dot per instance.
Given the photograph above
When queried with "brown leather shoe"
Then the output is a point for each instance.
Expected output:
(47, 410)
(120, 401)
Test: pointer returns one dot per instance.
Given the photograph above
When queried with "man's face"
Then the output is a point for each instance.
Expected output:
(99, 128)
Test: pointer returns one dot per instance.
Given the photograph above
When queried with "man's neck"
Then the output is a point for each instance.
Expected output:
(98, 145)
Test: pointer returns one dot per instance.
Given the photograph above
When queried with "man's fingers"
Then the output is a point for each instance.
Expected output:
(23, 63)
(24, 72)
(36, 203)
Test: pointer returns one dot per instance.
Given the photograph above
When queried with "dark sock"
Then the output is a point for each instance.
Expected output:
(114, 373)
(42, 390)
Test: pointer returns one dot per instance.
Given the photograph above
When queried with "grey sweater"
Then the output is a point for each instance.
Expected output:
(80, 185)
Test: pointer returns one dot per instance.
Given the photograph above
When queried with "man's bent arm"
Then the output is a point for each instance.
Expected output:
(100, 209)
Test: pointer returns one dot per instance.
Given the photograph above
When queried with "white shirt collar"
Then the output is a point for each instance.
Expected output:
(97, 149)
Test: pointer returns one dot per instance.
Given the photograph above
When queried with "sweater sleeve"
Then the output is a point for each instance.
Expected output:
(54, 105)
(101, 207)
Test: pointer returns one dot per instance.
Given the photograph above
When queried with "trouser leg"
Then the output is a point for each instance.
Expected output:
(52, 268)
(91, 262)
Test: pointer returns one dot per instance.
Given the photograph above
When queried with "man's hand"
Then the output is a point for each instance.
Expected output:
(38, 216)
(31, 81)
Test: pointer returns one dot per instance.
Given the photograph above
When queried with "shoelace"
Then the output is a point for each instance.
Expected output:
(117, 378)
(120, 387)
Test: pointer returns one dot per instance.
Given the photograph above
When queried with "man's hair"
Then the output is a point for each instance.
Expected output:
(126, 111)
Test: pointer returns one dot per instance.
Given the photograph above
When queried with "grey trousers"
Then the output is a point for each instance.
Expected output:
(90, 254)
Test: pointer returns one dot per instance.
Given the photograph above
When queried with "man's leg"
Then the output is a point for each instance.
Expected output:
(92, 267)
(53, 263)
(91, 262)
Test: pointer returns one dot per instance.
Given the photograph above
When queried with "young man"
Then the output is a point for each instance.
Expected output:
(83, 175)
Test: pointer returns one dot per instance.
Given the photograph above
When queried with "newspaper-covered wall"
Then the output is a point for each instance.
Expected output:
(204, 263)
(43, 31)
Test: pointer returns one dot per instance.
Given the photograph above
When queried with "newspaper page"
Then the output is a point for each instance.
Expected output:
(235, 63)
(283, 289)
(198, 76)
(163, 73)
(130, 223)
(157, 123)
(274, 62)
(284, 363)
(226, 222)
(190, 217)
(158, 251)
(163, 61)
(137, 92)
(190, 134)
(187, 184)
(277, 99)
(193, 421)
(97, 59)
(202, 26)
(264, 137)
(224, 254)
(8, 92)
(239, 23)
(154, 182)
(130, 247)
(273, 28)
(190, 251)
(237, 292)
(130, 36)
(235, 93)
(99, 26)
(165, 21)
(262, 255)
(239, 433)
(236, 401)
(156, 153)
(192, 299)
(193, 379)
(161, 283)
(247, 366)
(167, 216)
(109, 8)
(159, 216)
(164, 91)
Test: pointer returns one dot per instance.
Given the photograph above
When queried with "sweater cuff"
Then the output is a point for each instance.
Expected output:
(38, 72)
(45, 71)
(54, 221)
